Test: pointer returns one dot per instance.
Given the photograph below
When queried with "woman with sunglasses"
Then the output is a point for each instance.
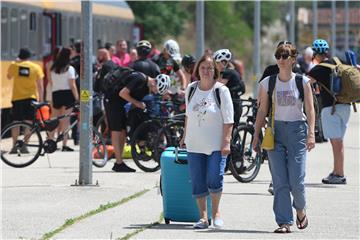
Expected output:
(294, 134)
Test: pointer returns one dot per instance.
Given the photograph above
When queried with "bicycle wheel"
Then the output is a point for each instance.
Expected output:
(168, 136)
(244, 163)
(25, 150)
(99, 149)
(103, 129)
(143, 145)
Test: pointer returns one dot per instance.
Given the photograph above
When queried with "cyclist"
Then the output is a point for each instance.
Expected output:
(133, 88)
(188, 63)
(143, 64)
(231, 78)
(167, 61)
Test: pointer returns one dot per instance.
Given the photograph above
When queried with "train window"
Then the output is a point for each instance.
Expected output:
(71, 28)
(64, 30)
(24, 39)
(32, 21)
(78, 28)
(4, 32)
(14, 23)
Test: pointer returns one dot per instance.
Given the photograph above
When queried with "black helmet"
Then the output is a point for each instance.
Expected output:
(143, 48)
(187, 60)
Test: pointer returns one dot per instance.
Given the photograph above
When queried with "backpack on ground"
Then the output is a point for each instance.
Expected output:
(344, 82)
(115, 80)
(216, 93)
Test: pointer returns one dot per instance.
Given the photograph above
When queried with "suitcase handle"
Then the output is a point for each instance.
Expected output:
(177, 160)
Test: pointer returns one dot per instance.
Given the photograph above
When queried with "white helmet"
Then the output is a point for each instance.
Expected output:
(222, 55)
(172, 47)
(162, 83)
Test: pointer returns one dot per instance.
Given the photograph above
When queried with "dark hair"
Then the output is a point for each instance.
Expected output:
(283, 43)
(24, 53)
(55, 52)
(76, 46)
(61, 63)
(287, 48)
(203, 59)
(108, 45)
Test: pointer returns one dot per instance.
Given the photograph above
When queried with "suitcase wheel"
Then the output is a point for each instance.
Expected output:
(167, 221)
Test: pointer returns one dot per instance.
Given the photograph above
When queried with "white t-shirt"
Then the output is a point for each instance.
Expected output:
(205, 121)
(61, 81)
(288, 105)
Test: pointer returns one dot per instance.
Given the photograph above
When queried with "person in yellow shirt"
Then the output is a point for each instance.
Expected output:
(27, 86)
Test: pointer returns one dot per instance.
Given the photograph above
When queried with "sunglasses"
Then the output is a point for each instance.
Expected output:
(284, 56)
(283, 42)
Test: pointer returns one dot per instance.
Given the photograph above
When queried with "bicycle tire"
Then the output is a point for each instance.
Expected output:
(103, 129)
(168, 136)
(27, 148)
(244, 161)
(99, 150)
(143, 145)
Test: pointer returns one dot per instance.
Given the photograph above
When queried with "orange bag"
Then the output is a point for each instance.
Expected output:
(43, 113)
(97, 154)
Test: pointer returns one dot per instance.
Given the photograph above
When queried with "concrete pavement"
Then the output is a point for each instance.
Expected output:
(38, 199)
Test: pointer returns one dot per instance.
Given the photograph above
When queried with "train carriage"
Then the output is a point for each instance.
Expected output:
(42, 25)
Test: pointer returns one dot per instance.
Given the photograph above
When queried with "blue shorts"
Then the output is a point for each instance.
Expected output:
(206, 173)
(334, 126)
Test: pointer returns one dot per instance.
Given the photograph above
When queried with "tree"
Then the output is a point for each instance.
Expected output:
(159, 18)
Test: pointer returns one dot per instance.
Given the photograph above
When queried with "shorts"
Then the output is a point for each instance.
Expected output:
(115, 114)
(22, 110)
(62, 98)
(334, 126)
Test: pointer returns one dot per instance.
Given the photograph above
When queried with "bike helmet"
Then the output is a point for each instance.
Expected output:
(172, 47)
(143, 48)
(320, 46)
(222, 55)
(188, 60)
(162, 83)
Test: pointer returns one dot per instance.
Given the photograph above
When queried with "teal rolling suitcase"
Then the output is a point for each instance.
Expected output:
(178, 203)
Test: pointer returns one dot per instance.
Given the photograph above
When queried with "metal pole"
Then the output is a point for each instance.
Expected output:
(333, 27)
(346, 13)
(315, 19)
(256, 57)
(200, 28)
(292, 21)
(85, 175)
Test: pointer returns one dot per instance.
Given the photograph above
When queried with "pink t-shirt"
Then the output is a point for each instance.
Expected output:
(116, 60)
(124, 60)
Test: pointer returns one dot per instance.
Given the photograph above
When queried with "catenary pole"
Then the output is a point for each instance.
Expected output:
(256, 56)
(200, 28)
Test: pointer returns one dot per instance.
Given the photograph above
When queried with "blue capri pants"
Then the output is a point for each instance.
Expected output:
(206, 173)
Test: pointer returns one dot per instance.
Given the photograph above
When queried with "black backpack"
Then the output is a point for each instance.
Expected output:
(115, 80)
(216, 93)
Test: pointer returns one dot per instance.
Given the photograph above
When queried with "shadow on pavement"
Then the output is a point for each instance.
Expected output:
(319, 185)
(258, 194)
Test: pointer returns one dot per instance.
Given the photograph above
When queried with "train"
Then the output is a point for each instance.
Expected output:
(43, 25)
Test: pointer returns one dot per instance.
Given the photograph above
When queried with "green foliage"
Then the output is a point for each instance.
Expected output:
(159, 18)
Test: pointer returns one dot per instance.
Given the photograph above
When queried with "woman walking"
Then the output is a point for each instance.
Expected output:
(64, 91)
(208, 126)
(294, 134)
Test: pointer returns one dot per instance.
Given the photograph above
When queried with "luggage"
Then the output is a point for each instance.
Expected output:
(175, 185)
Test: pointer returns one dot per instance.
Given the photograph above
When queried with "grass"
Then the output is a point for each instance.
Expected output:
(101, 208)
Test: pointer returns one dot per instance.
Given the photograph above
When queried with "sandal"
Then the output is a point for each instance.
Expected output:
(284, 228)
(303, 223)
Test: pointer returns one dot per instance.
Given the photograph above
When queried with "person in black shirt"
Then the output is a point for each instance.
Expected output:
(334, 124)
(232, 79)
(143, 64)
(134, 88)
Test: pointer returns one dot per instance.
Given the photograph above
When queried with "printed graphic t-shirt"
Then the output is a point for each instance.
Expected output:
(205, 120)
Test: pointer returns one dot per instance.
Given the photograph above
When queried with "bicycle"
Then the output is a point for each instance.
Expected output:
(244, 161)
(28, 146)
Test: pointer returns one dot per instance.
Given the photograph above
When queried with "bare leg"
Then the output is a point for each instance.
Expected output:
(338, 152)
(118, 139)
(201, 202)
(215, 198)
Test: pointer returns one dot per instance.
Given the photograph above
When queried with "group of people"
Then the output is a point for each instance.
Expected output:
(212, 92)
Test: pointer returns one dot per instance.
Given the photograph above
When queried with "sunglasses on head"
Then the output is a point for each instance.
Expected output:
(284, 56)
(283, 43)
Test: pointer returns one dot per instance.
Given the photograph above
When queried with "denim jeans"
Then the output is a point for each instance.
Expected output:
(287, 162)
(206, 172)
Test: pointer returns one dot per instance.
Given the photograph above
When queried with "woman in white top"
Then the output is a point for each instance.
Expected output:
(64, 92)
(208, 126)
(294, 134)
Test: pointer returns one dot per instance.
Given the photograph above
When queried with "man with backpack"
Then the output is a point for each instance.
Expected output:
(120, 86)
(144, 64)
(334, 122)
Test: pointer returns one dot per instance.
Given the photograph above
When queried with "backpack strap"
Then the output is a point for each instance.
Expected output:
(271, 86)
(299, 85)
(217, 97)
(192, 90)
(337, 60)
(328, 65)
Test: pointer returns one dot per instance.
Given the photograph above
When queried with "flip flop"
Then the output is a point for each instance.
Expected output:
(303, 223)
(284, 228)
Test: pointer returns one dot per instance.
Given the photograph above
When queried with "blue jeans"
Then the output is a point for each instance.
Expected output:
(206, 172)
(287, 162)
